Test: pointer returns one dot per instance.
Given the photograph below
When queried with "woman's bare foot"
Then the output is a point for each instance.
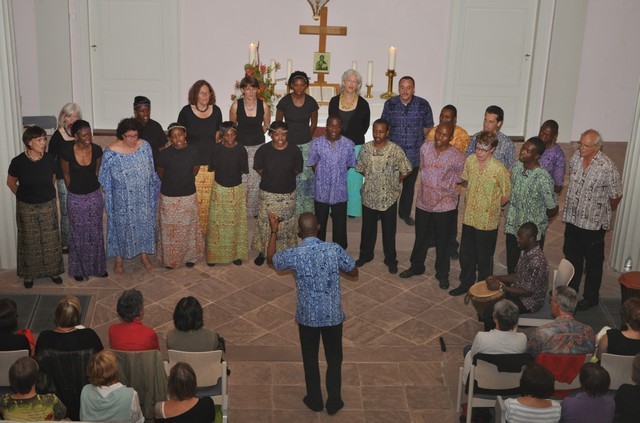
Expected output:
(147, 264)
(118, 266)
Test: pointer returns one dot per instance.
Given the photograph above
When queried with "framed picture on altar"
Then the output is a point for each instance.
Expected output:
(321, 62)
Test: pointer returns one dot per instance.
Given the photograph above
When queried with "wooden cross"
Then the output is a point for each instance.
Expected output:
(322, 31)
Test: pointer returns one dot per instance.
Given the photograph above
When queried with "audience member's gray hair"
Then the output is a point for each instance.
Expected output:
(598, 138)
(506, 313)
(566, 298)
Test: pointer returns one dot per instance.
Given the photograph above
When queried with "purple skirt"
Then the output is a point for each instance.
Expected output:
(86, 235)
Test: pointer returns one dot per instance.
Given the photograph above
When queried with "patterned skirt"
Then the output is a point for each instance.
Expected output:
(179, 234)
(204, 180)
(86, 236)
(284, 205)
(251, 181)
(354, 185)
(304, 184)
(227, 230)
(64, 214)
(39, 246)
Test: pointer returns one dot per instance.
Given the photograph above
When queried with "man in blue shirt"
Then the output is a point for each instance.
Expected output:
(410, 120)
(317, 265)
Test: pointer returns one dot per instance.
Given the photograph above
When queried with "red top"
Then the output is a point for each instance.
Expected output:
(133, 336)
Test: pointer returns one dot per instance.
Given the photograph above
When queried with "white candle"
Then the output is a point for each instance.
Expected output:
(289, 67)
(272, 74)
(370, 73)
(252, 53)
(354, 65)
(392, 58)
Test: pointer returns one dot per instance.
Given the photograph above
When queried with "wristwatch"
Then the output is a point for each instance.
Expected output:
(501, 289)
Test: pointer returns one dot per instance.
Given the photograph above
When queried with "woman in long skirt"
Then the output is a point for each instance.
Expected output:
(278, 163)
(31, 178)
(227, 230)
(180, 238)
(80, 163)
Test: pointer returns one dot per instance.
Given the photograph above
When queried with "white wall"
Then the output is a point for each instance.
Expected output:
(24, 17)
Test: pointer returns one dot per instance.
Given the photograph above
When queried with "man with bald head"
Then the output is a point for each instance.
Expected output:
(317, 265)
(595, 189)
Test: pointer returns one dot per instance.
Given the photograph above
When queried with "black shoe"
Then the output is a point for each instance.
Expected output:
(237, 262)
(168, 267)
(409, 272)
(351, 217)
(454, 255)
(585, 305)
(65, 250)
(361, 262)
(211, 264)
(78, 278)
(259, 261)
(57, 280)
(409, 221)
(461, 290)
(189, 264)
(28, 283)
(333, 409)
(312, 407)
(393, 269)
(105, 275)
(443, 283)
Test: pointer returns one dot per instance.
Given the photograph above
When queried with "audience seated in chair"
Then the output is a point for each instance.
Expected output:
(536, 385)
(189, 333)
(183, 405)
(592, 405)
(502, 340)
(9, 339)
(25, 404)
(131, 334)
(626, 341)
(628, 397)
(564, 335)
(105, 399)
(63, 355)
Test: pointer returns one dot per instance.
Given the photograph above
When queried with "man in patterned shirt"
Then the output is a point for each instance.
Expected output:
(594, 193)
(488, 189)
(505, 152)
(317, 265)
(330, 157)
(384, 166)
(564, 335)
(410, 120)
(552, 159)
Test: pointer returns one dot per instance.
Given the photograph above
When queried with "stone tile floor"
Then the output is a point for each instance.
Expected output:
(393, 371)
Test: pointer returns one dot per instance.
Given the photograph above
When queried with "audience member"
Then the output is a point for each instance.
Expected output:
(627, 397)
(183, 406)
(592, 405)
(595, 189)
(10, 340)
(409, 120)
(564, 335)
(626, 341)
(24, 404)
(131, 334)
(536, 386)
(189, 333)
(105, 399)
(552, 159)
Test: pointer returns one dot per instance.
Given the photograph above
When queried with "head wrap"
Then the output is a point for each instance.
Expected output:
(141, 100)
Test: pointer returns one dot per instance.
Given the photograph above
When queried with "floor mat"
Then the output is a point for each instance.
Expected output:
(35, 311)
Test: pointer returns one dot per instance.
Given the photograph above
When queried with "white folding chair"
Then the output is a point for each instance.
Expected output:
(619, 368)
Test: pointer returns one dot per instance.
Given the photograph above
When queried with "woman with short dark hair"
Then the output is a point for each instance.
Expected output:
(9, 340)
(183, 405)
(31, 178)
(536, 386)
(592, 405)
(189, 333)
(625, 341)
(131, 334)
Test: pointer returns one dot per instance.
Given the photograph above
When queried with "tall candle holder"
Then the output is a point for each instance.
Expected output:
(390, 74)
(369, 86)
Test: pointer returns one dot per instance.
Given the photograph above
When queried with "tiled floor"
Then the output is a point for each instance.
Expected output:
(393, 371)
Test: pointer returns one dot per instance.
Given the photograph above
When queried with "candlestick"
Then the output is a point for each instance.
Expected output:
(252, 53)
(369, 86)
(354, 65)
(392, 58)
(370, 73)
(272, 73)
(390, 74)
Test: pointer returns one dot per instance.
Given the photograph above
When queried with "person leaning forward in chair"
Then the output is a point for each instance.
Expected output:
(317, 265)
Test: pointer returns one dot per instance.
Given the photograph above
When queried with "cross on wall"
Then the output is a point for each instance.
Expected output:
(322, 31)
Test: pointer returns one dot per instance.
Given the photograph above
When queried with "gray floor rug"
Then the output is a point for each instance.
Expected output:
(35, 311)
(607, 313)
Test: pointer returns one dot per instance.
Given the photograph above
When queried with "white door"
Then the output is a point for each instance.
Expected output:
(134, 51)
(490, 56)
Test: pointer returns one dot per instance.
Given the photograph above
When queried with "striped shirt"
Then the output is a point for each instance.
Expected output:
(516, 412)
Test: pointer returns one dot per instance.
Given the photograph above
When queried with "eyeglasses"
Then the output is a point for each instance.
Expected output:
(580, 144)
(131, 136)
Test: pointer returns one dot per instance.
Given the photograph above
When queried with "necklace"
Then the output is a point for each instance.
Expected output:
(202, 111)
(251, 107)
(347, 105)
(31, 158)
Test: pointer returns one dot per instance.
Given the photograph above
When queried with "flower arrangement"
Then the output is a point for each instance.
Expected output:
(266, 87)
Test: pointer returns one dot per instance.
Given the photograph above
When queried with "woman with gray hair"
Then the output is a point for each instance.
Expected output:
(504, 339)
(355, 113)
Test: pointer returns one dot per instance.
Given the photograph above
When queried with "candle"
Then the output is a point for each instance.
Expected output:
(370, 73)
(392, 58)
(289, 67)
(252, 53)
(354, 65)
(272, 74)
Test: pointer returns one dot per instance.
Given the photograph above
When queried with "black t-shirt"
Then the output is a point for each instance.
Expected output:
(56, 144)
(628, 403)
(83, 179)
(229, 164)
(279, 167)
(35, 179)
(154, 135)
(298, 118)
(203, 411)
(201, 132)
(178, 179)
(12, 342)
(79, 339)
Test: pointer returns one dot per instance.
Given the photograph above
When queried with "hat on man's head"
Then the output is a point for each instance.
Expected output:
(141, 100)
